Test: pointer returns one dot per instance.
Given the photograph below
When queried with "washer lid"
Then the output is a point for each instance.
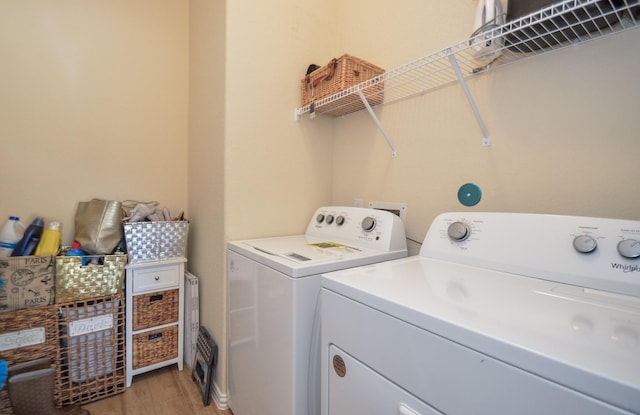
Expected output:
(585, 339)
(300, 256)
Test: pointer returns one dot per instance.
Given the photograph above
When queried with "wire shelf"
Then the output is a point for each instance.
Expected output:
(563, 24)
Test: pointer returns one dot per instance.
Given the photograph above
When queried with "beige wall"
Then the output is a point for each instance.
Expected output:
(277, 171)
(253, 171)
(93, 103)
(206, 166)
(191, 104)
(563, 128)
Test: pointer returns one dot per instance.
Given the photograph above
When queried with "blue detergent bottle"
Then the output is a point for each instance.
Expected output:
(27, 245)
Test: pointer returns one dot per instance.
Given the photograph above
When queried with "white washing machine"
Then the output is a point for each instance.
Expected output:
(499, 314)
(274, 287)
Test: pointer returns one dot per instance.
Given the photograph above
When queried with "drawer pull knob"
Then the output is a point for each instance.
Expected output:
(156, 297)
(157, 278)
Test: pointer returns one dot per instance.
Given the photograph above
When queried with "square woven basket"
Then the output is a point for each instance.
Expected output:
(77, 279)
(156, 241)
(26, 335)
(336, 76)
(155, 346)
(155, 309)
(91, 354)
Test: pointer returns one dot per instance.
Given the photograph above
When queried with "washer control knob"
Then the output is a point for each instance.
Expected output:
(629, 248)
(329, 219)
(458, 231)
(320, 218)
(340, 220)
(584, 244)
(368, 224)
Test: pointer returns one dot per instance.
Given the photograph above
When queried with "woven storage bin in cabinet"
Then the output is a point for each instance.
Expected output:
(155, 309)
(155, 346)
(338, 75)
(156, 241)
(91, 354)
(26, 335)
(75, 281)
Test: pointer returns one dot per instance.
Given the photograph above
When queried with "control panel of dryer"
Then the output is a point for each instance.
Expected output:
(588, 252)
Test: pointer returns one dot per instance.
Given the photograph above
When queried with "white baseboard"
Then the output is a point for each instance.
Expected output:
(221, 399)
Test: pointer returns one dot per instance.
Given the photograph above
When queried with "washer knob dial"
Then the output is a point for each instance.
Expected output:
(329, 219)
(584, 244)
(368, 224)
(629, 248)
(458, 231)
(320, 218)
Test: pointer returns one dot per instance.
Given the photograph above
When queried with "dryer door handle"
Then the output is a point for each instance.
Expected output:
(405, 410)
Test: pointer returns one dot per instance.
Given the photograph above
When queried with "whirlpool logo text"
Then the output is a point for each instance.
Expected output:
(625, 267)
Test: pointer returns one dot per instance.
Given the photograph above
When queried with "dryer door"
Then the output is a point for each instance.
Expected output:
(356, 389)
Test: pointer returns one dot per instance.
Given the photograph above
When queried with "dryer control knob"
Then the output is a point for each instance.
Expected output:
(320, 218)
(458, 231)
(629, 248)
(339, 220)
(329, 219)
(584, 244)
(368, 224)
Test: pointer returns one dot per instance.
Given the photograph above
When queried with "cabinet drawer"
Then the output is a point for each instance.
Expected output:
(155, 309)
(155, 346)
(156, 278)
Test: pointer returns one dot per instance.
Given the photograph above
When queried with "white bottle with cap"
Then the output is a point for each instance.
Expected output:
(10, 234)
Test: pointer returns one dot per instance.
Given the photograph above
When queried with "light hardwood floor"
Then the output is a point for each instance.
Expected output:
(165, 391)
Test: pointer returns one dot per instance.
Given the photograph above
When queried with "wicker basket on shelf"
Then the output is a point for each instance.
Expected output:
(338, 75)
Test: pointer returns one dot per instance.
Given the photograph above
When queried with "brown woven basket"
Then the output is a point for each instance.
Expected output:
(19, 321)
(155, 309)
(91, 355)
(338, 75)
(155, 346)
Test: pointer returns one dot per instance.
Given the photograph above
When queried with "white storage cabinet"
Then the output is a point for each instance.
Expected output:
(155, 315)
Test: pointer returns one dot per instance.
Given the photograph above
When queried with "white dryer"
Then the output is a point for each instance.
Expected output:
(499, 314)
(274, 287)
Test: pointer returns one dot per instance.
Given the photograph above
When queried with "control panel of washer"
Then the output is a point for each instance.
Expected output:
(599, 253)
(364, 227)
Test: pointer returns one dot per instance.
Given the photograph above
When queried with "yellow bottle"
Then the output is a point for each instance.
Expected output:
(50, 240)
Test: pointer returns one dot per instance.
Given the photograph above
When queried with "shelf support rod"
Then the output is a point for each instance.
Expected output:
(486, 141)
(377, 121)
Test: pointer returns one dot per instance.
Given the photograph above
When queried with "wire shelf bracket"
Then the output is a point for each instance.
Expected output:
(486, 141)
(378, 123)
